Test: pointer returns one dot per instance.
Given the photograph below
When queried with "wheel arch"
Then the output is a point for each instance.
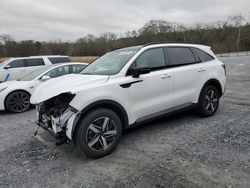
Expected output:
(110, 104)
(214, 82)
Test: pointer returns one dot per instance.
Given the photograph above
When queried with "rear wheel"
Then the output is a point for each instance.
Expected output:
(98, 133)
(208, 101)
(17, 102)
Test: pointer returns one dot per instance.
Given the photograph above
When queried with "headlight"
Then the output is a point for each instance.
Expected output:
(3, 88)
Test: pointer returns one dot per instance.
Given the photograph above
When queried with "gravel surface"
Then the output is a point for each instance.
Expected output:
(183, 150)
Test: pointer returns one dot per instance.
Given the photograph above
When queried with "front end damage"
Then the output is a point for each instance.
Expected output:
(53, 115)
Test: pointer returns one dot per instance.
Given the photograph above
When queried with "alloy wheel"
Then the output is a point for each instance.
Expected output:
(19, 102)
(211, 101)
(101, 134)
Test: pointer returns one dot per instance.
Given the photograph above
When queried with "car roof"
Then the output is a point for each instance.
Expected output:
(162, 44)
(42, 56)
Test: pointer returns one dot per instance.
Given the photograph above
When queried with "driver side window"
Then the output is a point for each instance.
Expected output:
(19, 63)
(59, 71)
(153, 58)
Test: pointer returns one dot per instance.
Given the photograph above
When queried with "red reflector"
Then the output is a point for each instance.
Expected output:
(225, 70)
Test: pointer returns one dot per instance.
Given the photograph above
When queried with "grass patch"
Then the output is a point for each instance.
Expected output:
(85, 59)
(3, 59)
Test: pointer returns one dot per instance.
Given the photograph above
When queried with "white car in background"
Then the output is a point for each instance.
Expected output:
(16, 68)
(15, 95)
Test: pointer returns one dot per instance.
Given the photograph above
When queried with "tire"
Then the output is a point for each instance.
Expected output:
(17, 102)
(208, 101)
(98, 133)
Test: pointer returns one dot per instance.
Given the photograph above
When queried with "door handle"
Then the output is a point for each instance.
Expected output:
(166, 76)
(201, 70)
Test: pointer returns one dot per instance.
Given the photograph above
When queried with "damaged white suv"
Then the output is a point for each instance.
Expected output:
(127, 87)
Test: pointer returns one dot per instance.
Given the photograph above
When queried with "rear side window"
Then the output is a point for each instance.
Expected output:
(180, 56)
(59, 71)
(16, 64)
(154, 58)
(203, 56)
(34, 62)
(55, 60)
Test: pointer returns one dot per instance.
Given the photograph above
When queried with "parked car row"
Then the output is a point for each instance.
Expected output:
(127, 87)
(16, 68)
(15, 95)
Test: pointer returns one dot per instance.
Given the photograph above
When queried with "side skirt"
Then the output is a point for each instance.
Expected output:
(164, 113)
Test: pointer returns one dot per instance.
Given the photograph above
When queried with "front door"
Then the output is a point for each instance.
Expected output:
(150, 94)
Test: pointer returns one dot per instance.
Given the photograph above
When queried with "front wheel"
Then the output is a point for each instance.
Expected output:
(208, 101)
(18, 102)
(98, 133)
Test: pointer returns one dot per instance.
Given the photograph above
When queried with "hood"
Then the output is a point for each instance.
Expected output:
(64, 84)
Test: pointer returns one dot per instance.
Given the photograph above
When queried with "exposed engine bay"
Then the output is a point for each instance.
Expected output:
(54, 113)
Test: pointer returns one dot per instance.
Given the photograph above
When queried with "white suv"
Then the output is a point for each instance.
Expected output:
(16, 68)
(127, 87)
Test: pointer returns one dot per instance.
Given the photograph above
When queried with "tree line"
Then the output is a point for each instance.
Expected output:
(230, 35)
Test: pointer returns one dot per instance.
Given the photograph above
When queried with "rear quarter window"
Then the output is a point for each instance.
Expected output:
(203, 56)
(180, 56)
(55, 60)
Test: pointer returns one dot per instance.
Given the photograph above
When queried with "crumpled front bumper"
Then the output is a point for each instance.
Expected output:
(62, 125)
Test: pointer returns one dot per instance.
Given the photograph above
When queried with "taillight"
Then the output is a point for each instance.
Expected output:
(225, 70)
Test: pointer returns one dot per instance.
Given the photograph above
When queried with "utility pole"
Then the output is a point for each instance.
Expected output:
(238, 40)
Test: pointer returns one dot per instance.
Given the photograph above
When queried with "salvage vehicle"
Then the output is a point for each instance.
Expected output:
(15, 95)
(17, 68)
(127, 87)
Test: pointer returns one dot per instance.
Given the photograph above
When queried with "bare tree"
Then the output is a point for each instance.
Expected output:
(237, 21)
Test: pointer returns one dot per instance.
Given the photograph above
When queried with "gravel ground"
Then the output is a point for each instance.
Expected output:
(183, 150)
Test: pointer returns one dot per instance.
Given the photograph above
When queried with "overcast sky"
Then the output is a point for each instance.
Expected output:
(68, 20)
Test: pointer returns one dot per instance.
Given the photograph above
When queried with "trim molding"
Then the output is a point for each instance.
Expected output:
(127, 85)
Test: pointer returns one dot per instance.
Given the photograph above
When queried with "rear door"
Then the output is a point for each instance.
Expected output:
(32, 64)
(186, 74)
(150, 95)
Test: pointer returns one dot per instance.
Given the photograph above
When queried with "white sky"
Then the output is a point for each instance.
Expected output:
(69, 20)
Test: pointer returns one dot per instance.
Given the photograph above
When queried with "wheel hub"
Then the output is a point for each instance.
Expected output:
(101, 134)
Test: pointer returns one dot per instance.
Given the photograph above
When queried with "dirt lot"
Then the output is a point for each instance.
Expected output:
(183, 150)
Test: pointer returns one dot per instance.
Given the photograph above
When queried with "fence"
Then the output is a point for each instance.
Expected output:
(233, 54)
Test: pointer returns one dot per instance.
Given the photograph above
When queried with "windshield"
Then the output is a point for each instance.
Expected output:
(110, 63)
(35, 73)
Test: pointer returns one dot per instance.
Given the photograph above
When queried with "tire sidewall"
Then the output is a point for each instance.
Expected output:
(201, 108)
(7, 100)
(82, 127)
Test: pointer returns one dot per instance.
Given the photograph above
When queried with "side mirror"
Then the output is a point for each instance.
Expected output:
(137, 71)
(7, 67)
(44, 78)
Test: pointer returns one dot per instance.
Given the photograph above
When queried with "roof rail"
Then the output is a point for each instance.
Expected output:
(162, 42)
